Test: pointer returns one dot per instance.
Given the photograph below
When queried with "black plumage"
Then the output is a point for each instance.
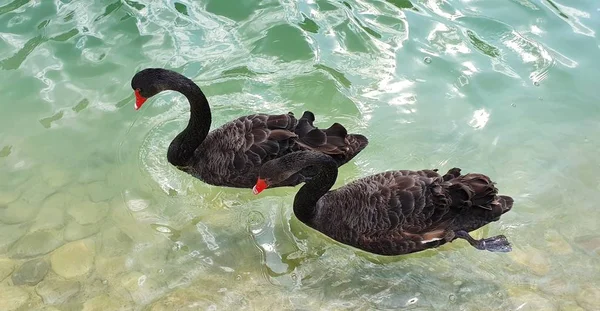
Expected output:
(232, 154)
(394, 212)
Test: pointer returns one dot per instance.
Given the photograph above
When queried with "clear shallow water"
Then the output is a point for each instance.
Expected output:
(92, 216)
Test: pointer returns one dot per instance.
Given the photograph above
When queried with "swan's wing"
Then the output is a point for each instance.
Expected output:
(334, 141)
(393, 200)
(405, 211)
(270, 136)
(389, 213)
(265, 137)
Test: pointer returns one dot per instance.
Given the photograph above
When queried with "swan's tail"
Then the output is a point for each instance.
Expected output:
(334, 141)
(506, 203)
(356, 143)
(475, 199)
(478, 193)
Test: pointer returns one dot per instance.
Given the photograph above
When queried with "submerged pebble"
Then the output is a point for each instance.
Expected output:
(105, 302)
(59, 200)
(9, 234)
(77, 190)
(141, 288)
(570, 306)
(7, 266)
(31, 272)
(110, 268)
(531, 258)
(54, 177)
(73, 259)
(75, 231)
(115, 242)
(48, 218)
(36, 191)
(18, 212)
(99, 191)
(557, 244)
(589, 243)
(12, 298)
(36, 243)
(557, 287)
(87, 212)
(524, 299)
(589, 297)
(8, 196)
(55, 292)
(183, 299)
(51, 215)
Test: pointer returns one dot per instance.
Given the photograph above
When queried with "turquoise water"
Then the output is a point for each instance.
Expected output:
(92, 217)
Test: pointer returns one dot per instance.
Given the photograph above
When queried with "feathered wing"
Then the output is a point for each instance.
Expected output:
(266, 137)
(333, 141)
(270, 136)
(475, 197)
(401, 212)
(232, 154)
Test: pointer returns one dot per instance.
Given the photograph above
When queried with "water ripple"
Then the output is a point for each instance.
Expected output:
(507, 90)
(571, 16)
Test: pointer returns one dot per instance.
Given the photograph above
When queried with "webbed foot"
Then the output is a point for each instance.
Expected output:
(497, 243)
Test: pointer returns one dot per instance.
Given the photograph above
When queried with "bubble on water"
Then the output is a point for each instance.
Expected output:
(514, 105)
(238, 277)
(294, 277)
(255, 218)
(255, 221)
(536, 83)
(427, 60)
(452, 297)
(412, 301)
(161, 270)
(163, 229)
(136, 205)
(178, 246)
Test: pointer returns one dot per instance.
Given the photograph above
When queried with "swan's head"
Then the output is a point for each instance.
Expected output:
(306, 163)
(270, 173)
(152, 81)
(275, 171)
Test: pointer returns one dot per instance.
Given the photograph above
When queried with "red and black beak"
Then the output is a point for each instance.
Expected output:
(261, 185)
(139, 100)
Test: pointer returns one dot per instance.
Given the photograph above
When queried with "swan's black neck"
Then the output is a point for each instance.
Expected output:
(183, 146)
(305, 202)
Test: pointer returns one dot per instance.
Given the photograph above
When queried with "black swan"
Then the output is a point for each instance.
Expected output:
(394, 212)
(232, 154)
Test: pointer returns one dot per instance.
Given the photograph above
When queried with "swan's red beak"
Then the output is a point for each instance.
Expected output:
(260, 186)
(139, 100)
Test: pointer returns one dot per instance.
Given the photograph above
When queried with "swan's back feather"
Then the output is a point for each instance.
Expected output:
(233, 154)
(399, 212)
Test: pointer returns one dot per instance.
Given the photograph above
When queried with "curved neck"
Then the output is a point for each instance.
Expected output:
(305, 202)
(185, 143)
